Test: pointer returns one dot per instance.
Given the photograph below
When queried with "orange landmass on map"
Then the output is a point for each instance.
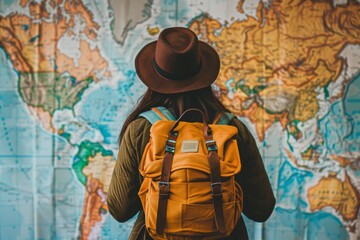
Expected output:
(93, 203)
(10, 42)
(294, 45)
(89, 63)
(310, 155)
(263, 119)
(153, 30)
(77, 7)
(343, 161)
(306, 106)
(100, 167)
(32, 46)
(332, 192)
(38, 10)
(239, 7)
(98, 172)
(23, 2)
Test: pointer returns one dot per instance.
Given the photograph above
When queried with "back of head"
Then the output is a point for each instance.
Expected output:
(178, 70)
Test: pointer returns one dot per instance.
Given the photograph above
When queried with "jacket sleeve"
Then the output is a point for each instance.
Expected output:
(122, 197)
(259, 200)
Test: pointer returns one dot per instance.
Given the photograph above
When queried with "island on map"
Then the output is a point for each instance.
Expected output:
(128, 14)
(340, 195)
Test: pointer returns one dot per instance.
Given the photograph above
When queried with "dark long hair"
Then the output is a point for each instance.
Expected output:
(203, 99)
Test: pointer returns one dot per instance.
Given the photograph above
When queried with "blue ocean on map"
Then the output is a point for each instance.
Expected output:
(341, 126)
(352, 109)
(108, 114)
(28, 172)
(292, 223)
(352, 101)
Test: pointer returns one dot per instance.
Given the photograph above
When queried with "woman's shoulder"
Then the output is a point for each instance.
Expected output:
(237, 123)
(243, 130)
(139, 124)
(137, 129)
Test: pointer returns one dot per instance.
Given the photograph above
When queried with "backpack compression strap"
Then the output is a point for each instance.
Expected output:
(156, 114)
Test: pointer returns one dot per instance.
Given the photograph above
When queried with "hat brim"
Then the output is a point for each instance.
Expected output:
(210, 65)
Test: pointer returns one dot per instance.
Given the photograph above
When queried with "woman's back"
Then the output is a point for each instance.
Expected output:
(178, 71)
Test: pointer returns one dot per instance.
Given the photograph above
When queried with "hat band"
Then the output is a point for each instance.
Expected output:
(175, 76)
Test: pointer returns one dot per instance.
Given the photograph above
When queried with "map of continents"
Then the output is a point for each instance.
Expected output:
(289, 69)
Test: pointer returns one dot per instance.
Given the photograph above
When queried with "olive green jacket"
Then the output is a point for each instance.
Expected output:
(123, 201)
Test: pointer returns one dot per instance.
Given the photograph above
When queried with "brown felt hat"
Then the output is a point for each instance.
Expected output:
(177, 62)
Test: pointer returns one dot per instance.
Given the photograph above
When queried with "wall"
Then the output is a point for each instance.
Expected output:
(289, 71)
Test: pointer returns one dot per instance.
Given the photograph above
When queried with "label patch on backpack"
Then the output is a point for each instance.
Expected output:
(188, 146)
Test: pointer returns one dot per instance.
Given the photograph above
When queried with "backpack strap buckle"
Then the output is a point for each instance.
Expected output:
(216, 189)
(170, 146)
(164, 190)
(211, 145)
(169, 149)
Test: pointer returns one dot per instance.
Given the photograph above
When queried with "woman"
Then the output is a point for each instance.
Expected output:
(178, 71)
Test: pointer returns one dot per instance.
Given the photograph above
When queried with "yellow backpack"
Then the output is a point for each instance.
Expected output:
(189, 189)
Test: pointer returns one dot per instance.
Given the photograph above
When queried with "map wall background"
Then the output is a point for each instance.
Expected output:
(290, 71)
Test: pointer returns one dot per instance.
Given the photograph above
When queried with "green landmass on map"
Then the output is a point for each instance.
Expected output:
(51, 91)
(87, 149)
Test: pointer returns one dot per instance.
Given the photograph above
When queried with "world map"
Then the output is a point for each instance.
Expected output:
(290, 70)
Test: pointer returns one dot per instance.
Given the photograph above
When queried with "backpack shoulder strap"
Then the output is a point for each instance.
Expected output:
(223, 118)
(165, 113)
(156, 114)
